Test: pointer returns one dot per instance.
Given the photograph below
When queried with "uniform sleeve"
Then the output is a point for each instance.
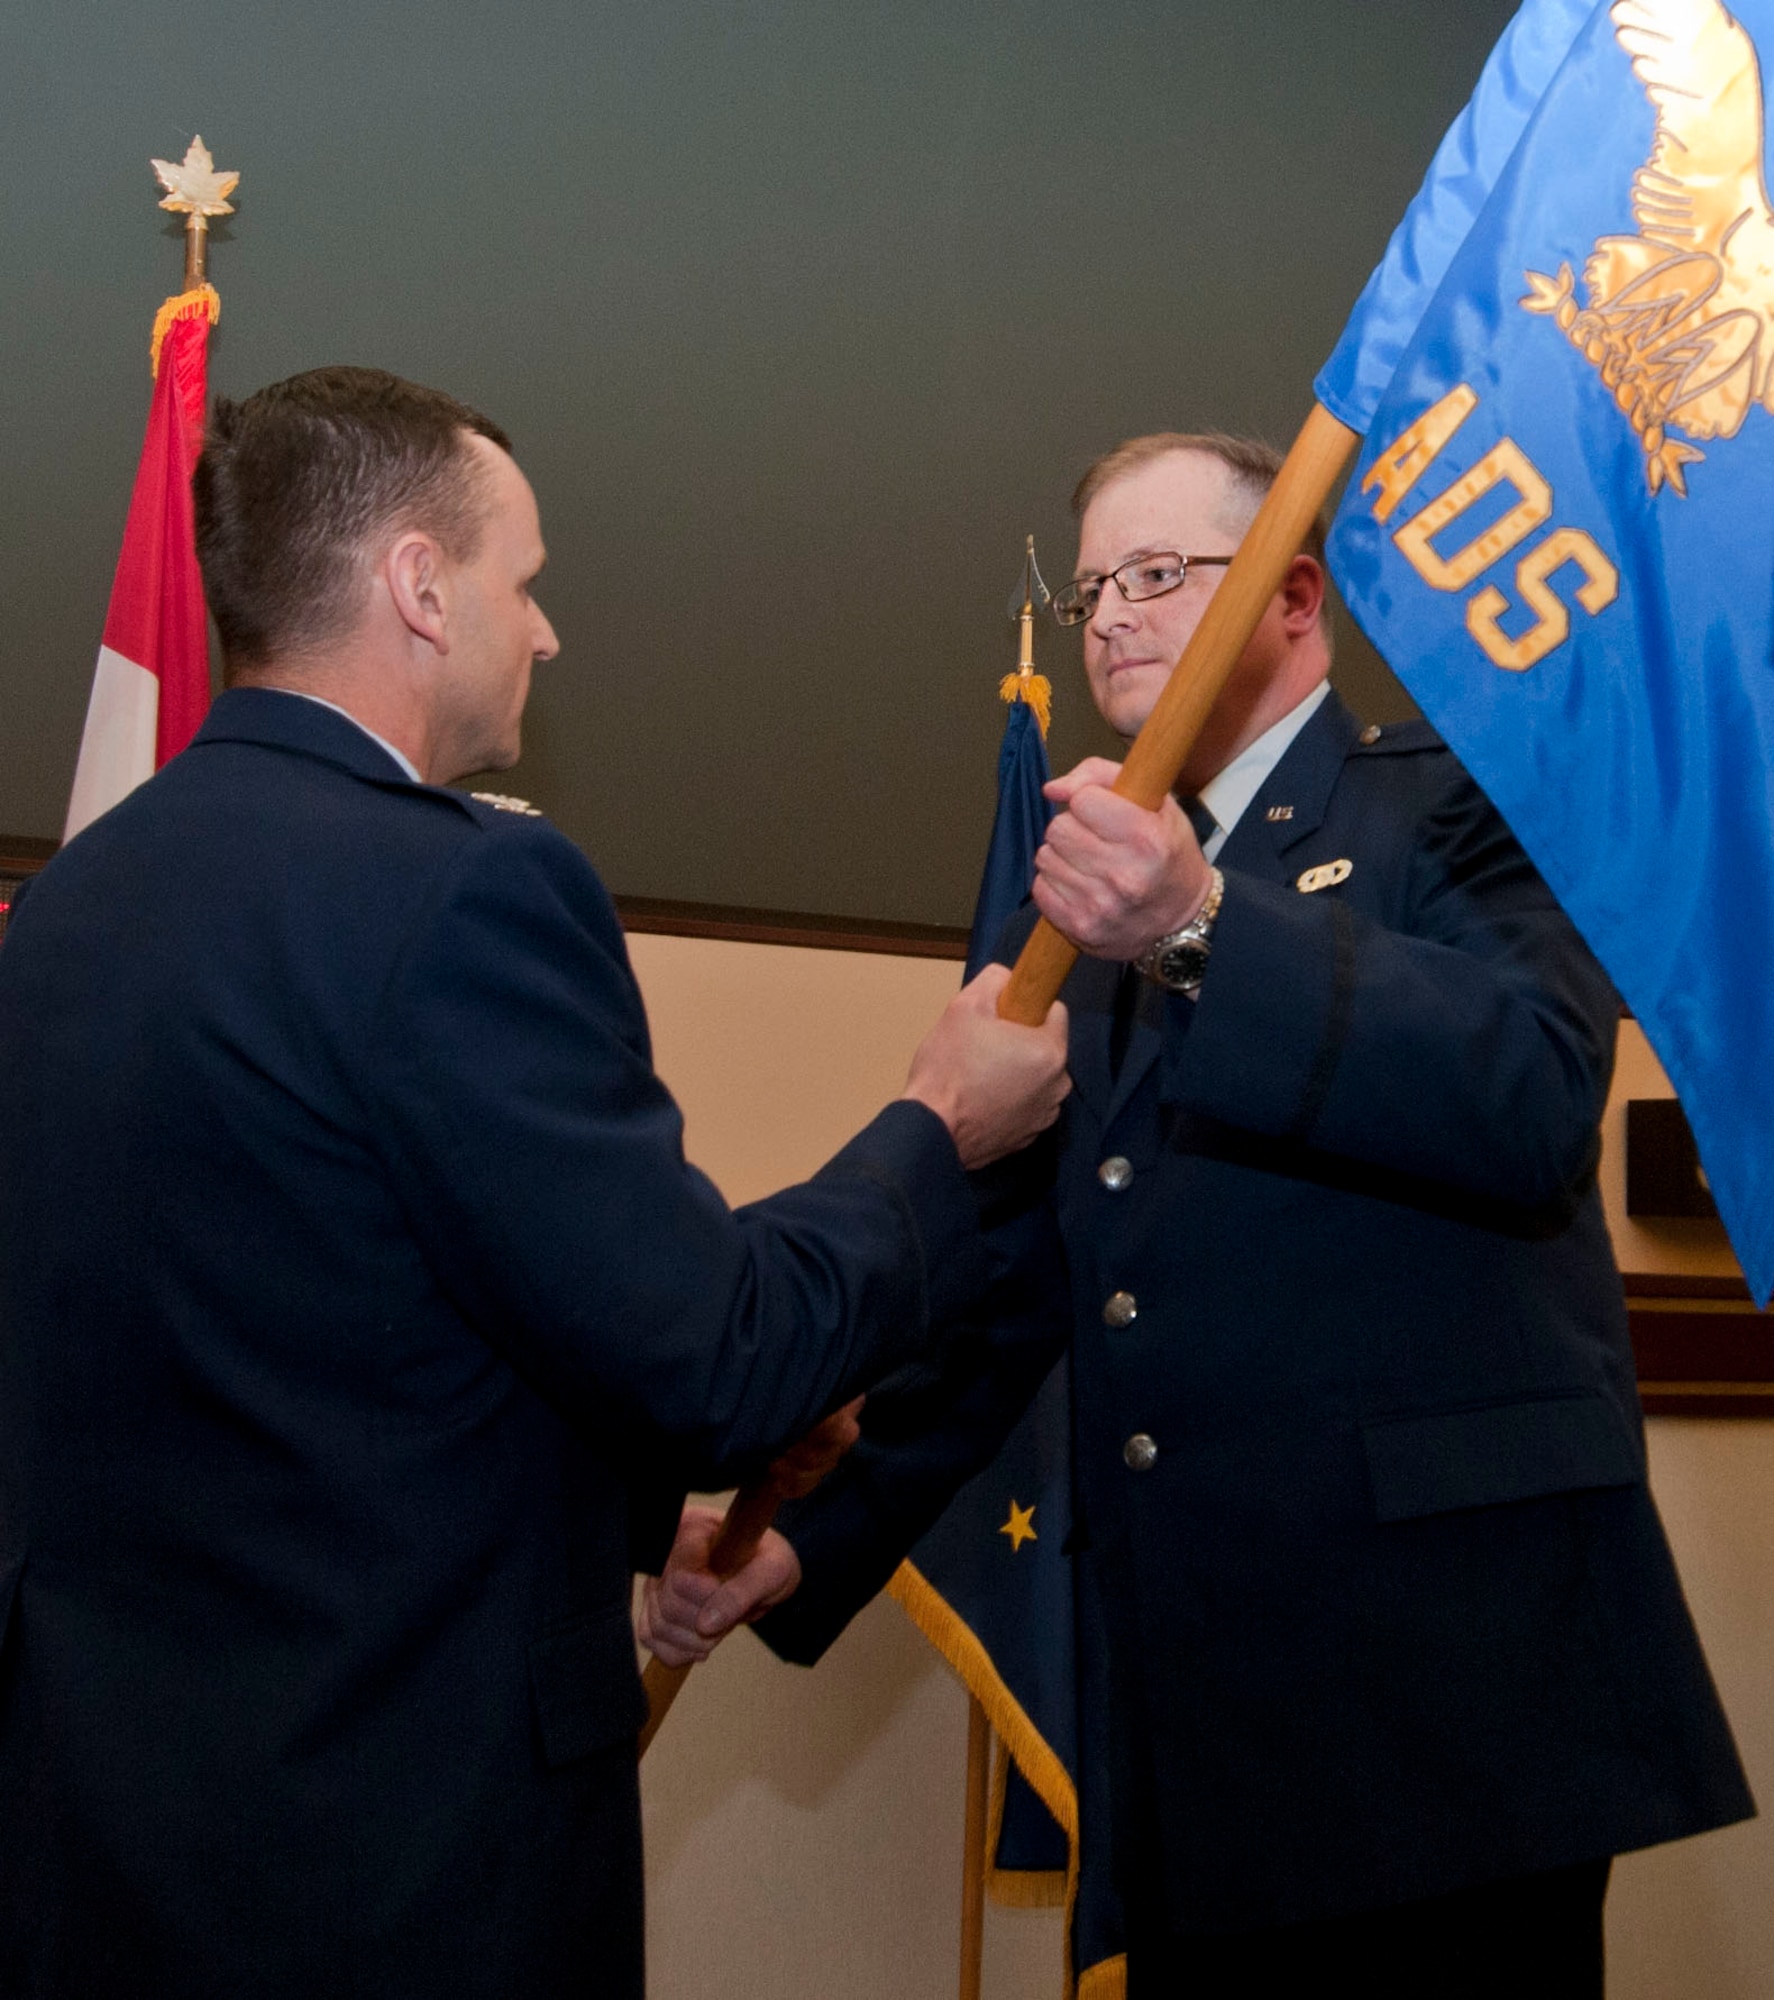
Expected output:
(1468, 1043)
(930, 1429)
(542, 1161)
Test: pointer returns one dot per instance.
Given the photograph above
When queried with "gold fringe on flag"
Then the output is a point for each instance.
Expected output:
(1015, 1888)
(204, 300)
(1036, 689)
(1107, 1981)
(955, 1640)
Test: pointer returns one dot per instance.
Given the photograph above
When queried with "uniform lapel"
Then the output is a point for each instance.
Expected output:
(1293, 800)
(1291, 803)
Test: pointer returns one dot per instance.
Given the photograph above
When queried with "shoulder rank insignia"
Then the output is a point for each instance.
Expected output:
(505, 803)
(1325, 876)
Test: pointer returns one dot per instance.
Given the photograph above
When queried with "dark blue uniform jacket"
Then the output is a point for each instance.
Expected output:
(1388, 1604)
(357, 1312)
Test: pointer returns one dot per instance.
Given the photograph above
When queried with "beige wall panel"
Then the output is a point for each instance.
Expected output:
(804, 1830)
(1695, 1920)
(779, 1054)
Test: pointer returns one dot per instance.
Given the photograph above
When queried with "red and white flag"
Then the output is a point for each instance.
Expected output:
(151, 687)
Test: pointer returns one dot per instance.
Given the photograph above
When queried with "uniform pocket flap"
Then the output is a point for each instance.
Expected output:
(1450, 1459)
(586, 1686)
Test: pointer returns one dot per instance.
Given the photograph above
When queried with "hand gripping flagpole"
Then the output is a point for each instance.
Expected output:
(1161, 749)
(747, 1522)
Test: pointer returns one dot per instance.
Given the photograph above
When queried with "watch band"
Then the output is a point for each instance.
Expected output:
(1178, 960)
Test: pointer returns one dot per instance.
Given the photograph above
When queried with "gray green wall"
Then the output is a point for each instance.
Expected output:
(801, 315)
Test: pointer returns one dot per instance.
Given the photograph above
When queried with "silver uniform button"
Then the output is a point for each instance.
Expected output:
(1139, 1453)
(1115, 1172)
(1120, 1309)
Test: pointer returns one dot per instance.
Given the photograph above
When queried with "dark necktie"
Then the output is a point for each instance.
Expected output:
(1200, 819)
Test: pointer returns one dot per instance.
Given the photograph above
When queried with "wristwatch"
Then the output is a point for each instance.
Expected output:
(1178, 960)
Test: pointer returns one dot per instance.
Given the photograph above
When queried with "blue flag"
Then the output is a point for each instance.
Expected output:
(1560, 531)
(990, 1585)
(1018, 829)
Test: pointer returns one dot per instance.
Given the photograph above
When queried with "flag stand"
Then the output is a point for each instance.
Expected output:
(973, 1849)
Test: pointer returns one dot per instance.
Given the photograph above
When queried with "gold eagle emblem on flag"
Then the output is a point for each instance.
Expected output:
(1680, 318)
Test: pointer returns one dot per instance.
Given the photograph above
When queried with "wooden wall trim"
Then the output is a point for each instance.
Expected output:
(1701, 1348)
(661, 917)
(21, 854)
(1676, 1285)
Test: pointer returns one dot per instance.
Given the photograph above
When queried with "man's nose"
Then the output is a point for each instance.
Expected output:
(543, 644)
(1113, 613)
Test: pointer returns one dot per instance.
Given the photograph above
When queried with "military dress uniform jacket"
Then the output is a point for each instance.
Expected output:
(1356, 1434)
(354, 1295)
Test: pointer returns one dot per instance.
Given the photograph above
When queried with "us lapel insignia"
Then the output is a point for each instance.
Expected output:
(1325, 876)
(1279, 812)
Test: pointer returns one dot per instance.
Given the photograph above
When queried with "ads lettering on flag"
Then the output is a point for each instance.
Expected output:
(1558, 531)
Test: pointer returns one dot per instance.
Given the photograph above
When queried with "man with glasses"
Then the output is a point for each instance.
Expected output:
(1397, 1655)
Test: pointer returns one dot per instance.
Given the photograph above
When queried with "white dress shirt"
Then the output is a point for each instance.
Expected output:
(1227, 795)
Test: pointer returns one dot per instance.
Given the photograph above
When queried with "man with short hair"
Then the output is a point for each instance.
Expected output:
(1397, 1655)
(359, 1315)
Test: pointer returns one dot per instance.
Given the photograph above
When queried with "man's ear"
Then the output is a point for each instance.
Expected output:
(416, 575)
(1302, 594)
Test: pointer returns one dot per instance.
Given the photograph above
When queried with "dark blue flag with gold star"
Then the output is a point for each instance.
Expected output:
(991, 1584)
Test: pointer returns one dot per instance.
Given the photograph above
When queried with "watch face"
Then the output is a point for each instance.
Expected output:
(1183, 965)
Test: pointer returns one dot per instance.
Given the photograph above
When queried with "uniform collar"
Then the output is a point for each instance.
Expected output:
(381, 742)
(280, 720)
(1228, 795)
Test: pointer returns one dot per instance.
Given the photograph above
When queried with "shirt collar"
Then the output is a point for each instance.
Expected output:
(1227, 795)
(382, 743)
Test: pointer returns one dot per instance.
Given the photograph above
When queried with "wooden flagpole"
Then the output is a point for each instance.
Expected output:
(1153, 765)
(973, 1849)
(1161, 749)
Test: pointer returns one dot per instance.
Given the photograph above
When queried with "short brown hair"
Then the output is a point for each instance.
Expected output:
(296, 481)
(1251, 463)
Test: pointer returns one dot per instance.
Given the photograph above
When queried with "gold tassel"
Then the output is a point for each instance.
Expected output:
(1035, 689)
(205, 300)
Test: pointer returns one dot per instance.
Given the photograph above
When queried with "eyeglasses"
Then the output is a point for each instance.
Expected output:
(1143, 577)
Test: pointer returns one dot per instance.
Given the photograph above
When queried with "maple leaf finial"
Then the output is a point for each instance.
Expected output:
(193, 187)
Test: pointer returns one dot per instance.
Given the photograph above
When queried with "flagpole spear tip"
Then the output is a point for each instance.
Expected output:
(196, 191)
(1032, 589)
(1025, 684)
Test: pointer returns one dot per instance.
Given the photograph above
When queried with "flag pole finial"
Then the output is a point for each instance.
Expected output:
(196, 191)
(1030, 594)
